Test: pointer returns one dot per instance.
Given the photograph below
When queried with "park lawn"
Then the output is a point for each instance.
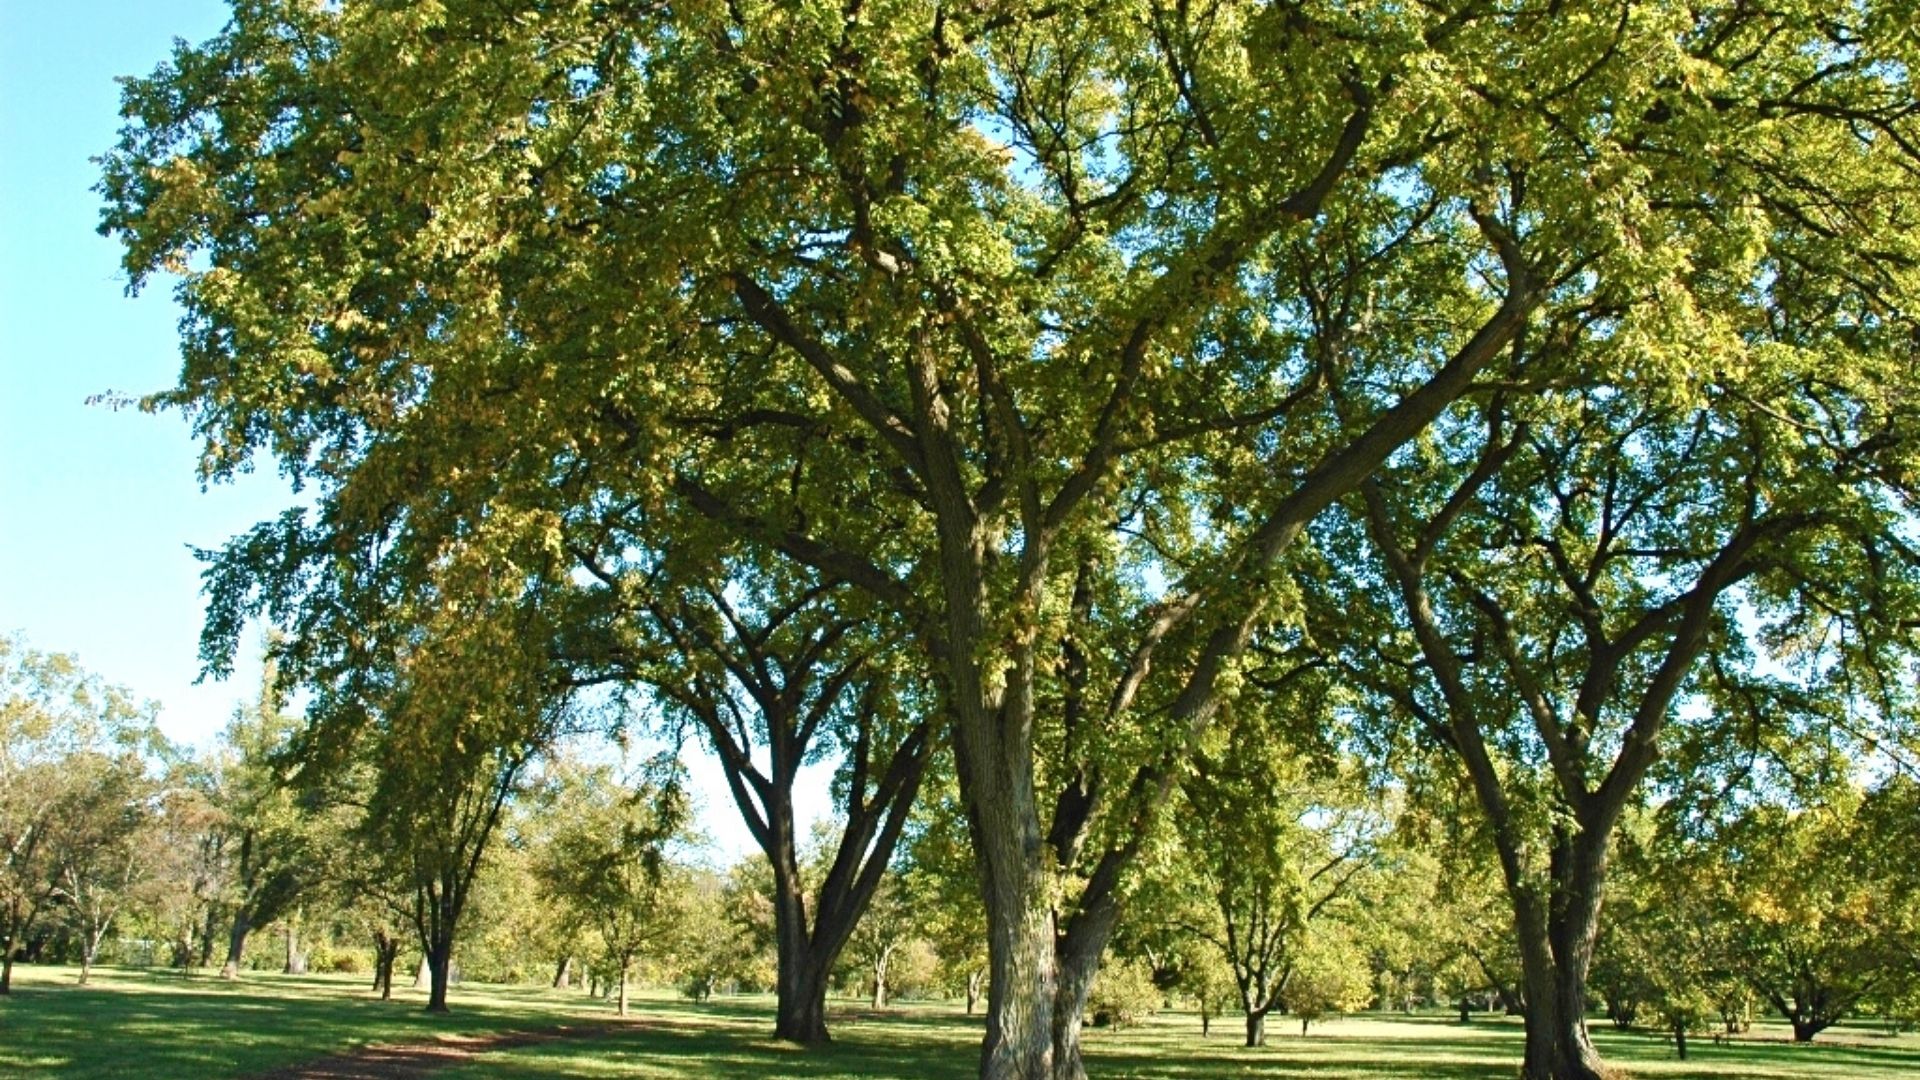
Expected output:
(727, 1041)
(168, 1027)
(161, 1024)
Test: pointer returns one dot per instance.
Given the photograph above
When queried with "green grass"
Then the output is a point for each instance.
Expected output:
(169, 1027)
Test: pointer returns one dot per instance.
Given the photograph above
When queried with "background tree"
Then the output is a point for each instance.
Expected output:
(100, 859)
(610, 860)
(273, 838)
(1276, 843)
(54, 716)
(779, 671)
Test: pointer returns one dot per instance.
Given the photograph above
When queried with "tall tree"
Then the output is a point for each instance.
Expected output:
(1562, 587)
(997, 274)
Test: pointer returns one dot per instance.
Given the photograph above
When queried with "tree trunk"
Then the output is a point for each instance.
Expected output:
(296, 960)
(1020, 988)
(1206, 1020)
(1557, 1044)
(423, 975)
(800, 1014)
(800, 983)
(236, 945)
(1466, 1010)
(6, 972)
(621, 1008)
(880, 981)
(1076, 959)
(1680, 1039)
(560, 973)
(439, 966)
(207, 935)
(1257, 1028)
(974, 980)
(386, 952)
(996, 776)
(1805, 1030)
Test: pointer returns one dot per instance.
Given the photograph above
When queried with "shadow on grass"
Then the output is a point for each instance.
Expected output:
(163, 1026)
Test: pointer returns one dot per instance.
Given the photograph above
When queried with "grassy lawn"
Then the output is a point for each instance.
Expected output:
(165, 1026)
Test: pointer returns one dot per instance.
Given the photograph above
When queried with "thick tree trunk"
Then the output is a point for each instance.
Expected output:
(236, 945)
(800, 1008)
(423, 975)
(1257, 1028)
(1076, 960)
(1020, 991)
(561, 972)
(1466, 1010)
(1805, 1030)
(1555, 952)
(1680, 1039)
(6, 972)
(439, 966)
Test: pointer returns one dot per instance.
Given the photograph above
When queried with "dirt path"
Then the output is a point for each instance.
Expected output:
(406, 1061)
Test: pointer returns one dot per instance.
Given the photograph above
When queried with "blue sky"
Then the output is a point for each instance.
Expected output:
(99, 509)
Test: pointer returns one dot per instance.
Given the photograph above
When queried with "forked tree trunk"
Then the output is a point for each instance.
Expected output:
(1557, 934)
(800, 1008)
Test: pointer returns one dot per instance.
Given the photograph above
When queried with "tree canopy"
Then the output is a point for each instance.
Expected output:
(1050, 331)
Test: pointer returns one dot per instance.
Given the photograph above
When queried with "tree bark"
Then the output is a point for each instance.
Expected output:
(1556, 948)
(800, 1008)
(6, 972)
(561, 972)
(236, 944)
(974, 980)
(1680, 1039)
(439, 965)
(1020, 947)
(423, 975)
(1257, 1028)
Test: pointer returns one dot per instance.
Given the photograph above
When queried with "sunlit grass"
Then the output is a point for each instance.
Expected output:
(167, 1026)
